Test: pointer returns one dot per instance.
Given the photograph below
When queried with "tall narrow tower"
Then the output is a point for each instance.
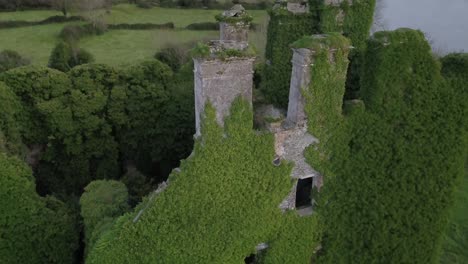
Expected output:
(223, 69)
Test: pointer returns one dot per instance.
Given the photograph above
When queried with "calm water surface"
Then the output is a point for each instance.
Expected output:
(445, 22)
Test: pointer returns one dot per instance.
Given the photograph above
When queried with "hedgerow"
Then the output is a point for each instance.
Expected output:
(390, 197)
(33, 229)
(213, 211)
(283, 29)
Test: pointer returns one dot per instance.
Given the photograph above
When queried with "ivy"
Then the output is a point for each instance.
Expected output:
(390, 195)
(283, 29)
(213, 211)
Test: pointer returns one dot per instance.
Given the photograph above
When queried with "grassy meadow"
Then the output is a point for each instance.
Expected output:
(119, 47)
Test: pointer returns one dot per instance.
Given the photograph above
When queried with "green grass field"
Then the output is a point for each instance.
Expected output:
(118, 47)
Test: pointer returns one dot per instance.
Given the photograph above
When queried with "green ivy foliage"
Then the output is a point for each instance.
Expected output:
(283, 29)
(455, 70)
(216, 209)
(324, 98)
(102, 201)
(390, 197)
(33, 229)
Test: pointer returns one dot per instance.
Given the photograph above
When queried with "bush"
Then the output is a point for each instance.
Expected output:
(174, 55)
(60, 57)
(73, 33)
(64, 57)
(101, 200)
(10, 59)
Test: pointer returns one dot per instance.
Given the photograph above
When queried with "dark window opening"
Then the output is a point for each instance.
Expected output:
(304, 192)
(250, 259)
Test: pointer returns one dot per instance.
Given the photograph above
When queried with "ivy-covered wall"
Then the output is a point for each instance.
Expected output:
(324, 97)
(352, 20)
(391, 194)
(283, 29)
(218, 208)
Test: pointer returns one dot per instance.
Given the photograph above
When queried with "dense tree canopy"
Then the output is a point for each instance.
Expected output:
(33, 229)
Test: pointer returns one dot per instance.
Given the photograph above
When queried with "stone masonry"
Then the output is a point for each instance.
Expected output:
(219, 81)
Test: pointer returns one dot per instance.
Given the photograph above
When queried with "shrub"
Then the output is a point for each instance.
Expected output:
(73, 33)
(174, 55)
(101, 200)
(60, 57)
(10, 59)
(64, 57)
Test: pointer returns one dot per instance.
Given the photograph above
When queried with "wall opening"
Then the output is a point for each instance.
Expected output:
(251, 259)
(303, 193)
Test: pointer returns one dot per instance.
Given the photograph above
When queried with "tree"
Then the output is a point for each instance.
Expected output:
(10, 59)
(33, 229)
(62, 5)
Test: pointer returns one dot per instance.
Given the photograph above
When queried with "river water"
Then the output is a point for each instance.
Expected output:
(445, 22)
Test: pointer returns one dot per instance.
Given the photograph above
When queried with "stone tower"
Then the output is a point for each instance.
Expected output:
(292, 137)
(225, 71)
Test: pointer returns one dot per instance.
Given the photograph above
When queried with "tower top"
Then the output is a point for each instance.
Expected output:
(234, 27)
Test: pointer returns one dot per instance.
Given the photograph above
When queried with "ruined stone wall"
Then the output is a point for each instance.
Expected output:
(219, 82)
(300, 78)
(234, 31)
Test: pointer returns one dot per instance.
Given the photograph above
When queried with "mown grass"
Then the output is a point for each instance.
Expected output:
(181, 17)
(34, 43)
(117, 47)
(120, 47)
